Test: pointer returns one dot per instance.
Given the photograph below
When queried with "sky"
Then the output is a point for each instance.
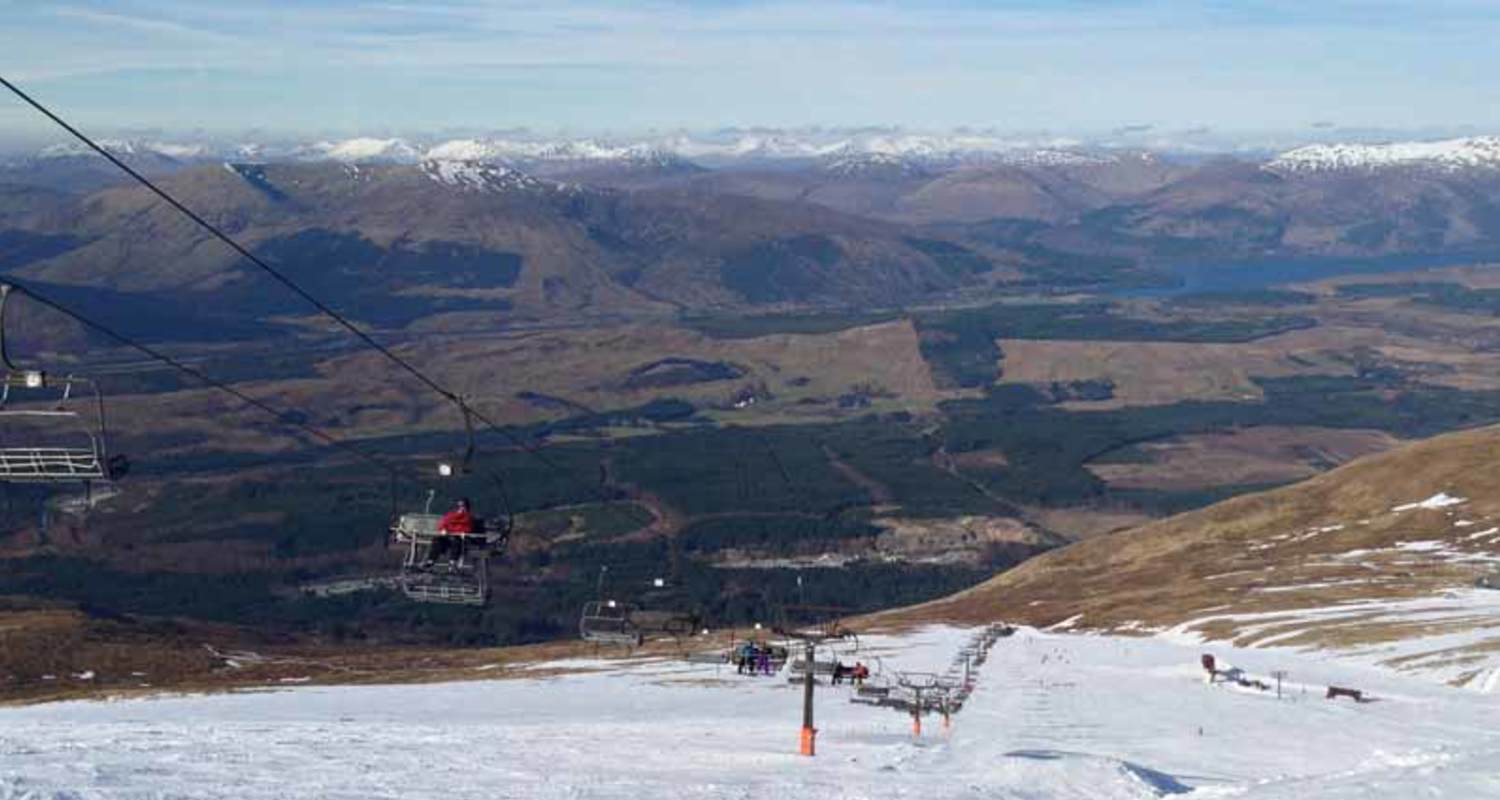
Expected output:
(339, 67)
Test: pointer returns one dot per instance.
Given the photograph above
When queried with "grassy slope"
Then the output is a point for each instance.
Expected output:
(1272, 553)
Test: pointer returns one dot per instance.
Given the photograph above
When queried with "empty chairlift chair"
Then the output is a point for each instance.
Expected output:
(610, 622)
(51, 442)
(49, 434)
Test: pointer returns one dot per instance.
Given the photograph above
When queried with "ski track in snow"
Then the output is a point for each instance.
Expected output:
(1054, 716)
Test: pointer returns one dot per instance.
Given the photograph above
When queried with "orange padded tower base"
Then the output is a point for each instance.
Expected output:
(809, 741)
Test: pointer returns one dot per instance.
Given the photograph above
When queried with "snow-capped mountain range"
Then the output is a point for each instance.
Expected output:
(660, 150)
(1475, 152)
(478, 176)
(846, 154)
(361, 149)
(579, 150)
(126, 147)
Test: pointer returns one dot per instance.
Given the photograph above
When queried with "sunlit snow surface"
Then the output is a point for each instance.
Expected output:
(478, 176)
(1054, 716)
(1448, 154)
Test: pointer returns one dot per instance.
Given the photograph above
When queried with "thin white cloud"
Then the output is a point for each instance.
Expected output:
(1030, 64)
(118, 21)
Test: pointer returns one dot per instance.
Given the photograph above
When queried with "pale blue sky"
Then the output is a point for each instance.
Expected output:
(338, 66)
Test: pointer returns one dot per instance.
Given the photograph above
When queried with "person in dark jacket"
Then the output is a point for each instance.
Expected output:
(744, 658)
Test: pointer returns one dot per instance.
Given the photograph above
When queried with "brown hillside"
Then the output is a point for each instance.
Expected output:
(1352, 559)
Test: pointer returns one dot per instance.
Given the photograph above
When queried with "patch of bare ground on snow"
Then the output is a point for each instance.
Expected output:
(50, 653)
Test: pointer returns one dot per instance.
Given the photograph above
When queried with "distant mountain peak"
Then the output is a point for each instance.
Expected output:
(887, 165)
(1448, 155)
(467, 150)
(914, 155)
(479, 176)
(364, 149)
(1050, 157)
(580, 152)
(126, 148)
(119, 147)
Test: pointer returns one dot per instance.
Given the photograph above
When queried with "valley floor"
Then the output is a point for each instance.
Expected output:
(1054, 716)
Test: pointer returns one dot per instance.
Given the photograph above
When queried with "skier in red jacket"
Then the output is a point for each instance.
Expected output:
(452, 528)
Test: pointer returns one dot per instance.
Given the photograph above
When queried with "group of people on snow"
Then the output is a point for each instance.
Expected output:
(753, 658)
(757, 659)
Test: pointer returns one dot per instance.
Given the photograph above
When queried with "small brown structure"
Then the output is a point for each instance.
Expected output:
(1340, 691)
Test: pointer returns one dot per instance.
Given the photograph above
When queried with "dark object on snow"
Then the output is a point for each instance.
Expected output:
(1490, 581)
(1339, 691)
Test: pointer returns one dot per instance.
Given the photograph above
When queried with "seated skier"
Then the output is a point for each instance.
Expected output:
(453, 528)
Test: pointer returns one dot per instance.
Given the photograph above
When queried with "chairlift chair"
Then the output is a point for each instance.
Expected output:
(610, 622)
(676, 624)
(613, 621)
(660, 611)
(797, 666)
(46, 438)
(463, 582)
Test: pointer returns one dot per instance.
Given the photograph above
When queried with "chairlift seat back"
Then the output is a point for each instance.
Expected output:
(819, 667)
(423, 528)
(668, 622)
(424, 525)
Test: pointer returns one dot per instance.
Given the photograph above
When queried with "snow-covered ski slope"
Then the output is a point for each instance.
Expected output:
(1054, 716)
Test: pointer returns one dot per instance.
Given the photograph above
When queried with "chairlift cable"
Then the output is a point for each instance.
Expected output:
(286, 281)
(226, 239)
(260, 405)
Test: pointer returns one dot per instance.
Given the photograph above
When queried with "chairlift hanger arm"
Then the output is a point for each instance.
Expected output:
(505, 506)
(468, 414)
(10, 367)
(15, 376)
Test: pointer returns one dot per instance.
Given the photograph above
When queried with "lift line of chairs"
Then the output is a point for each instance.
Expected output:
(61, 446)
(46, 438)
